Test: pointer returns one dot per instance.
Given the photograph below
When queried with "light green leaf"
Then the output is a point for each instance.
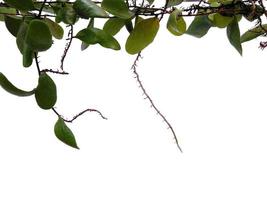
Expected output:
(142, 35)
(113, 25)
(199, 27)
(174, 3)
(117, 8)
(9, 87)
(6, 10)
(38, 36)
(56, 30)
(87, 9)
(64, 134)
(253, 33)
(46, 92)
(95, 35)
(233, 34)
(12, 24)
(176, 24)
(219, 20)
(24, 5)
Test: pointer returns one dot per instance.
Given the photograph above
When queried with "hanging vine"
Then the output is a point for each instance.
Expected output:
(37, 23)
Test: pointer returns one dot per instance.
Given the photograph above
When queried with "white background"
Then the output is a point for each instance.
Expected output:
(215, 99)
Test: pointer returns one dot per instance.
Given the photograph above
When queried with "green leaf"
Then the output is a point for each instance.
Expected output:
(67, 15)
(9, 87)
(55, 29)
(117, 8)
(90, 25)
(6, 10)
(233, 34)
(113, 25)
(38, 36)
(219, 20)
(24, 5)
(199, 26)
(12, 24)
(27, 56)
(87, 9)
(21, 36)
(150, 1)
(46, 92)
(253, 33)
(95, 35)
(64, 134)
(174, 2)
(176, 24)
(142, 35)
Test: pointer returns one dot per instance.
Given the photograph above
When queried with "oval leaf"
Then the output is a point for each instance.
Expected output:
(233, 34)
(199, 26)
(253, 33)
(117, 8)
(12, 24)
(87, 9)
(176, 24)
(142, 35)
(219, 20)
(38, 36)
(55, 29)
(9, 87)
(46, 92)
(64, 134)
(95, 35)
(113, 25)
(21, 36)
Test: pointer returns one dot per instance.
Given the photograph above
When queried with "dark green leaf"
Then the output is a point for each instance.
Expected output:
(219, 20)
(55, 29)
(117, 8)
(253, 33)
(21, 36)
(24, 5)
(113, 25)
(46, 92)
(9, 87)
(142, 35)
(176, 24)
(90, 25)
(67, 15)
(87, 9)
(38, 36)
(199, 27)
(233, 34)
(95, 35)
(12, 24)
(64, 134)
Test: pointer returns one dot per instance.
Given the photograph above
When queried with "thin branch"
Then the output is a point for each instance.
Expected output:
(79, 114)
(55, 71)
(67, 47)
(147, 96)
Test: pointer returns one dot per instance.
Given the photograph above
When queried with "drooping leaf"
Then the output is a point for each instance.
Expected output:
(113, 25)
(199, 26)
(67, 15)
(9, 87)
(219, 20)
(21, 36)
(27, 56)
(38, 36)
(55, 29)
(253, 33)
(233, 34)
(12, 24)
(6, 10)
(95, 35)
(46, 92)
(24, 5)
(174, 2)
(87, 9)
(90, 25)
(176, 24)
(64, 134)
(117, 8)
(142, 35)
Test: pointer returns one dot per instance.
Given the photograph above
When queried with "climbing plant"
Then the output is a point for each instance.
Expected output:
(37, 24)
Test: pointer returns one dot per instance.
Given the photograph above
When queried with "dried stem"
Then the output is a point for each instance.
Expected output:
(67, 47)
